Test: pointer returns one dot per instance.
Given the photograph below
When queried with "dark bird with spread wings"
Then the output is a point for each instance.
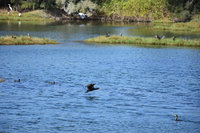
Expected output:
(91, 88)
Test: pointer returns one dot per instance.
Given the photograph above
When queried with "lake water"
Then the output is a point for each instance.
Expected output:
(141, 88)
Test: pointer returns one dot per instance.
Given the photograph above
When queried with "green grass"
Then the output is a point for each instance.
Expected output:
(144, 41)
(176, 27)
(37, 15)
(25, 40)
(196, 18)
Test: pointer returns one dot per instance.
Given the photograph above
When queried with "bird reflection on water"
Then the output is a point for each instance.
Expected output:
(90, 98)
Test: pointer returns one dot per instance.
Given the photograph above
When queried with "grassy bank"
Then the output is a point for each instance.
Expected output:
(168, 24)
(24, 40)
(145, 41)
(176, 27)
(36, 15)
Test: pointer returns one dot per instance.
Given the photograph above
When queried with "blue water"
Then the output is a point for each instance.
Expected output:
(141, 88)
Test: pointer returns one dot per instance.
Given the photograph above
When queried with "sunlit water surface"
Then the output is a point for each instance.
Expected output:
(141, 88)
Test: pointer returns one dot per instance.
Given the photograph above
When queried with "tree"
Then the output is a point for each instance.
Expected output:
(61, 3)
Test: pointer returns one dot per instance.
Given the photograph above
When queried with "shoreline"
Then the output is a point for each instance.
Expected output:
(61, 15)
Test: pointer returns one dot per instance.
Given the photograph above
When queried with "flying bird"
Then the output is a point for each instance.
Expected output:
(82, 15)
(91, 88)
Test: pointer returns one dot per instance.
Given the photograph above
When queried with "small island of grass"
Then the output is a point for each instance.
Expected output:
(24, 40)
(144, 41)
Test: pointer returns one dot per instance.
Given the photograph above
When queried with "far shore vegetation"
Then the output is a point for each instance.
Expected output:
(144, 41)
(108, 10)
(171, 15)
(36, 15)
(192, 26)
(25, 40)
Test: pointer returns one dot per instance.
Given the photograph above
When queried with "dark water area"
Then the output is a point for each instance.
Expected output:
(141, 88)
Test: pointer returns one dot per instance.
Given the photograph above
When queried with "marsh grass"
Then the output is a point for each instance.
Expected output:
(144, 41)
(24, 40)
(37, 15)
(176, 27)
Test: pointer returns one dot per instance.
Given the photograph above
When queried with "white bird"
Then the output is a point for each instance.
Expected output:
(10, 7)
(82, 15)
(20, 14)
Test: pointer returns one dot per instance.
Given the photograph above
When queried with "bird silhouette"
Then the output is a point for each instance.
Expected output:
(14, 37)
(18, 80)
(107, 34)
(91, 88)
(52, 82)
(163, 37)
(10, 8)
(174, 38)
(158, 37)
(176, 118)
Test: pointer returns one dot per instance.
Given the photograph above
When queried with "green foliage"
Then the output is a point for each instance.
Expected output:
(27, 5)
(184, 8)
(136, 8)
(61, 3)
(147, 9)
(84, 6)
(16, 2)
(196, 18)
(71, 8)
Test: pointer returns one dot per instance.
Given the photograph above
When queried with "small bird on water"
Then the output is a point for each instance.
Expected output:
(91, 88)
(52, 82)
(176, 118)
(18, 80)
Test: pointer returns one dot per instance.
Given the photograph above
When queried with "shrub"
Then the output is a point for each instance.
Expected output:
(136, 8)
(84, 6)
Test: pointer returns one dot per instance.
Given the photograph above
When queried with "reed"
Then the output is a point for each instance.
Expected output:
(144, 41)
(25, 40)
